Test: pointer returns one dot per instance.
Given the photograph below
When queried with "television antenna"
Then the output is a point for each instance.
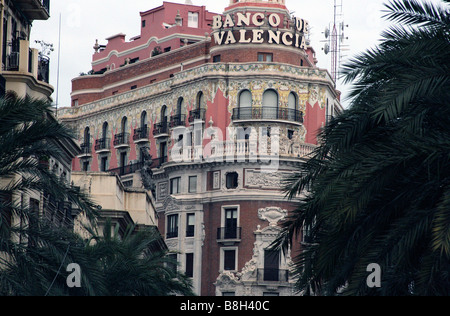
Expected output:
(335, 38)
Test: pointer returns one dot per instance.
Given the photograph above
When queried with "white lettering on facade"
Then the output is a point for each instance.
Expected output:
(226, 33)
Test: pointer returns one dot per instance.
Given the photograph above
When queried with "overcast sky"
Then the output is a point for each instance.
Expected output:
(84, 21)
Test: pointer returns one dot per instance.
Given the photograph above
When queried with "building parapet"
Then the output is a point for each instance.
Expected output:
(318, 76)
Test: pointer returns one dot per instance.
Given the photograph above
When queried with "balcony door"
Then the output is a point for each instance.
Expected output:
(271, 265)
(231, 223)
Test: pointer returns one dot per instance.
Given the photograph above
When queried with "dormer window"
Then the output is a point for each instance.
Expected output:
(193, 19)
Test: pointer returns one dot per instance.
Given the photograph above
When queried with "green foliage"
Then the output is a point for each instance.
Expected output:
(378, 188)
(34, 253)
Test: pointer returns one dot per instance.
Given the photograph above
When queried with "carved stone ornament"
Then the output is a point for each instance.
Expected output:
(272, 214)
(227, 278)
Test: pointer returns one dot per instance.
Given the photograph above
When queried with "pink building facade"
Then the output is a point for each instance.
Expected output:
(211, 128)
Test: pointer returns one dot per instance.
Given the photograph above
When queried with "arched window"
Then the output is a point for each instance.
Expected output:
(270, 104)
(244, 109)
(124, 125)
(144, 119)
(292, 102)
(200, 100)
(245, 99)
(180, 106)
(164, 114)
(292, 113)
(105, 130)
(87, 136)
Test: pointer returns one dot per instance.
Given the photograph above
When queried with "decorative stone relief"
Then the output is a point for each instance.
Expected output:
(163, 190)
(272, 214)
(216, 180)
(255, 179)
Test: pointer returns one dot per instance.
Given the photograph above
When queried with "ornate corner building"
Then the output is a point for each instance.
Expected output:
(209, 112)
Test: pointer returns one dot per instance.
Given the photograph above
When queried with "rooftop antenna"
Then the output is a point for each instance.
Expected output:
(334, 39)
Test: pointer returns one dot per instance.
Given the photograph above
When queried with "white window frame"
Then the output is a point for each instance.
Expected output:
(193, 19)
(223, 213)
(222, 258)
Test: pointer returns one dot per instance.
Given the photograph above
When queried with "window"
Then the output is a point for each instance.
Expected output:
(134, 87)
(216, 59)
(124, 125)
(229, 260)
(193, 184)
(172, 264)
(143, 23)
(270, 105)
(190, 225)
(105, 130)
(232, 180)
(245, 99)
(231, 223)
(85, 165)
(104, 164)
(189, 265)
(87, 137)
(172, 226)
(175, 185)
(267, 57)
(167, 49)
(200, 100)
(193, 19)
(271, 265)
(290, 134)
(292, 102)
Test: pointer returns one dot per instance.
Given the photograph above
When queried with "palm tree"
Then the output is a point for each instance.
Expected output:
(29, 137)
(134, 264)
(34, 253)
(377, 190)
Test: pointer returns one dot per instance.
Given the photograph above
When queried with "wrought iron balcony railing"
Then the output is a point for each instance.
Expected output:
(267, 113)
(160, 128)
(102, 144)
(229, 233)
(273, 275)
(178, 120)
(132, 168)
(141, 133)
(198, 114)
(86, 148)
(121, 139)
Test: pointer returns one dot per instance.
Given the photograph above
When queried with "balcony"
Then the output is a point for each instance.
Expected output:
(121, 140)
(198, 114)
(25, 69)
(273, 275)
(86, 150)
(161, 130)
(229, 235)
(141, 134)
(44, 69)
(267, 113)
(132, 168)
(128, 169)
(102, 145)
(177, 120)
(35, 9)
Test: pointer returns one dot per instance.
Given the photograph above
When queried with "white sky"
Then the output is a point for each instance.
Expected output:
(84, 21)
